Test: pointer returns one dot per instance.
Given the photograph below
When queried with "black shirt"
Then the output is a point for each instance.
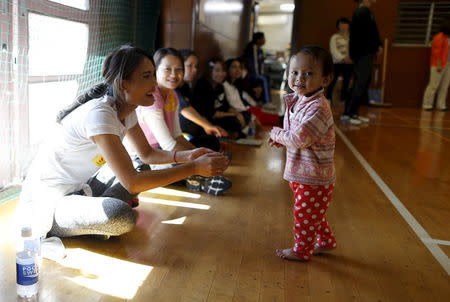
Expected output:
(208, 100)
(184, 97)
(364, 35)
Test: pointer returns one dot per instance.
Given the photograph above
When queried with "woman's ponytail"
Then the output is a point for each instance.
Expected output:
(94, 92)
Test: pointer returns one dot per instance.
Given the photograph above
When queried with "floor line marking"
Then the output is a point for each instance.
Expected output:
(436, 241)
(434, 249)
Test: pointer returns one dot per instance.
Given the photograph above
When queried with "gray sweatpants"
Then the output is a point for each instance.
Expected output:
(101, 208)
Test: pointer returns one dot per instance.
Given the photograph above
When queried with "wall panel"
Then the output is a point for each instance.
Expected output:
(407, 70)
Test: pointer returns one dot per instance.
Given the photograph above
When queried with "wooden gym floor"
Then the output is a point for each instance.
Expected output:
(391, 216)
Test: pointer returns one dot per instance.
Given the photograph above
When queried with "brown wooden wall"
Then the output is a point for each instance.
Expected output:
(196, 24)
(176, 24)
(407, 70)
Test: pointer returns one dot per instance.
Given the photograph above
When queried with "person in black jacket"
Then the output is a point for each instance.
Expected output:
(209, 100)
(254, 56)
(201, 132)
(364, 44)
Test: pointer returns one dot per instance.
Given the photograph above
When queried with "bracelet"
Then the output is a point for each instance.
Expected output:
(175, 156)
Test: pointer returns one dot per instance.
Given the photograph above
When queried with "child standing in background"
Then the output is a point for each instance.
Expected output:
(309, 137)
(439, 70)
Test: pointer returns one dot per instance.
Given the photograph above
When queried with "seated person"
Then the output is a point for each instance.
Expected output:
(210, 101)
(240, 99)
(160, 121)
(200, 131)
(61, 195)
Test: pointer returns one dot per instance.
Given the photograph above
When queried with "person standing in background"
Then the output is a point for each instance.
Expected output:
(255, 62)
(439, 70)
(364, 44)
(342, 63)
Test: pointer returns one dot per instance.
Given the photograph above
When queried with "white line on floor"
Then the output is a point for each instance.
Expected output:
(436, 241)
(435, 250)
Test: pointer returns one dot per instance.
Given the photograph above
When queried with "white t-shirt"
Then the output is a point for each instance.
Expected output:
(233, 97)
(70, 157)
(339, 47)
(67, 160)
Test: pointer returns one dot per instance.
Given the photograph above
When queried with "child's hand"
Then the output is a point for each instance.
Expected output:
(274, 144)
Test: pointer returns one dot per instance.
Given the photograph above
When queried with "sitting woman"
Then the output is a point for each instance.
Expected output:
(160, 121)
(200, 131)
(210, 101)
(236, 91)
(60, 193)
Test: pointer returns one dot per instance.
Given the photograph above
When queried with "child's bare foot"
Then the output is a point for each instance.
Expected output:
(289, 255)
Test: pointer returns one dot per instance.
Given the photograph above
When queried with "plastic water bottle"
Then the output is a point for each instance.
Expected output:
(27, 265)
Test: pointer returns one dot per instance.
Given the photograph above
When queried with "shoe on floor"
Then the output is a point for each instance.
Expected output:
(193, 183)
(351, 120)
(361, 118)
(216, 185)
(345, 118)
(355, 121)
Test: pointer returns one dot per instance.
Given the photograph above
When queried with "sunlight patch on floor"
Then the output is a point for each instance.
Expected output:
(175, 221)
(104, 274)
(174, 203)
(173, 192)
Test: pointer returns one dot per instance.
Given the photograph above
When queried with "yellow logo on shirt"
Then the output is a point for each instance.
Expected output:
(99, 160)
(171, 103)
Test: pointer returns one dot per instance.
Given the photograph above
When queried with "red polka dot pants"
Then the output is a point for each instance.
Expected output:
(311, 228)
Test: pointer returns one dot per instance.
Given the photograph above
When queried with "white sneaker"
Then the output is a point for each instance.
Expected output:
(362, 118)
(351, 120)
(345, 118)
(355, 121)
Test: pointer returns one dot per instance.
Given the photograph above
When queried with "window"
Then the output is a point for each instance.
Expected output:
(81, 4)
(57, 55)
(418, 22)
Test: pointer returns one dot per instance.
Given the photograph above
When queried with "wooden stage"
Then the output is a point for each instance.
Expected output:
(196, 247)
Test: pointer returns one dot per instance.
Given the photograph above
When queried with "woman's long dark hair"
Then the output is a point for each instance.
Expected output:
(208, 73)
(118, 66)
(228, 64)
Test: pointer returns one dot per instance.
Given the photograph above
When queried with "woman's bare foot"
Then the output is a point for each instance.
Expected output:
(290, 255)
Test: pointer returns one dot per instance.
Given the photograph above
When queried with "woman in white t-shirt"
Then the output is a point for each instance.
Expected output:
(62, 193)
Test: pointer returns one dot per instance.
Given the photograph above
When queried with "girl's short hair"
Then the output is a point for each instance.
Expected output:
(163, 52)
(342, 20)
(322, 55)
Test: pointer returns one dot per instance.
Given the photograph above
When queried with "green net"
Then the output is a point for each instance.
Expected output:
(50, 51)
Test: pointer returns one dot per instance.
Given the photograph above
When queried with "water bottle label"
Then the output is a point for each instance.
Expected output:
(27, 274)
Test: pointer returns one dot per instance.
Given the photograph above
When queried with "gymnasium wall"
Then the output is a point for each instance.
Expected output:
(407, 70)
(211, 28)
